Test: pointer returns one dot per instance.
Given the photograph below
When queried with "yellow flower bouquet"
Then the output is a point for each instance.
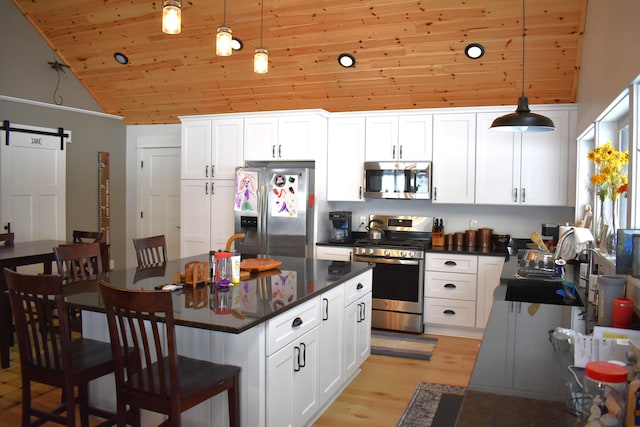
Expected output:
(609, 180)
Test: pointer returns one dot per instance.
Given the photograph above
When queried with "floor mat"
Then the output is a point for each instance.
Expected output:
(433, 405)
(401, 344)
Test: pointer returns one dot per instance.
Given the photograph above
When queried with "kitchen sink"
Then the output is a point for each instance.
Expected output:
(543, 291)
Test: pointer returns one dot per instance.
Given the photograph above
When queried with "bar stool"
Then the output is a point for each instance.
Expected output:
(173, 383)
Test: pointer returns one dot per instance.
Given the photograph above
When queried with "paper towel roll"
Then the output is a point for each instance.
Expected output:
(572, 241)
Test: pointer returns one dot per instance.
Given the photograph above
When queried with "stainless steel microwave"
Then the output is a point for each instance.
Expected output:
(392, 180)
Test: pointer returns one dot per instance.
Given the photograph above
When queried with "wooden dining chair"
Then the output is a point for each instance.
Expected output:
(80, 236)
(6, 239)
(49, 355)
(75, 263)
(150, 250)
(172, 383)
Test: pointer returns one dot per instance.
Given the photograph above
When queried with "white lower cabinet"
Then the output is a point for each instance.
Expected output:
(331, 325)
(357, 322)
(516, 335)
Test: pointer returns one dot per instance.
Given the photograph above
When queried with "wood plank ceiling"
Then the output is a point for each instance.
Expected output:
(409, 53)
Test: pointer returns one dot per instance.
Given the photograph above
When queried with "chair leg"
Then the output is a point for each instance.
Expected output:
(26, 402)
(233, 397)
(83, 401)
(70, 404)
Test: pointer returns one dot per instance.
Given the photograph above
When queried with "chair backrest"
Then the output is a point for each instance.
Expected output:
(150, 250)
(7, 239)
(137, 335)
(87, 236)
(43, 336)
(78, 261)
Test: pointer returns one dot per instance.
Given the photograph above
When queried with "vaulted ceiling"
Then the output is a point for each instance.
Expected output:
(409, 53)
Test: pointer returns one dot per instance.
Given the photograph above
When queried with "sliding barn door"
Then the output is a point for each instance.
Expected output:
(32, 182)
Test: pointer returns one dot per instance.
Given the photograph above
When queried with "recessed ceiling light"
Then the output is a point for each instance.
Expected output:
(121, 58)
(346, 60)
(236, 44)
(474, 50)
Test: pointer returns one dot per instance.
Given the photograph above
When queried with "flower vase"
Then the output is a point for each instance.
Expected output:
(601, 230)
(612, 234)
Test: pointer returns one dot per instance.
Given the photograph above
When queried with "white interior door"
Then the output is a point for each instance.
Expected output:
(33, 183)
(159, 195)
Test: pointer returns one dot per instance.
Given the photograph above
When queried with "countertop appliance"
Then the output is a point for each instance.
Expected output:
(273, 207)
(398, 277)
(340, 226)
(397, 180)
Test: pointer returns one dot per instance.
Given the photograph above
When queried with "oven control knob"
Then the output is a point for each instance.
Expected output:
(403, 254)
(371, 251)
(387, 252)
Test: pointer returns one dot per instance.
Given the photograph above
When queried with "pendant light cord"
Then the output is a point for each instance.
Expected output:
(261, 21)
(523, 37)
(224, 16)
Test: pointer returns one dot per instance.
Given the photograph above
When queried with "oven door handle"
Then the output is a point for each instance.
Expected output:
(389, 261)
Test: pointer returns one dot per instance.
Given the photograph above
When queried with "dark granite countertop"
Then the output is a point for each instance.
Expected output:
(261, 297)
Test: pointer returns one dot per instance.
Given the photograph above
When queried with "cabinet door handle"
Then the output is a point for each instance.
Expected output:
(361, 192)
(393, 152)
(279, 150)
(273, 151)
(401, 151)
(206, 188)
(435, 193)
(213, 171)
(213, 189)
(206, 171)
(296, 322)
(515, 195)
(363, 311)
(450, 263)
(303, 350)
(450, 286)
(359, 286)
(523, 195)
(449, 312)
(325, 315)
(296, 359)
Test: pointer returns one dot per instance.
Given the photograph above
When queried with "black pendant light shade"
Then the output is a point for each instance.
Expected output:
(523, 120)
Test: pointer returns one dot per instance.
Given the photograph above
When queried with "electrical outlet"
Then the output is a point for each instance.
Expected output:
(363, 220)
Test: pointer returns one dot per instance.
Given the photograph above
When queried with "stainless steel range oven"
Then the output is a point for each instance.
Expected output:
(398, 276)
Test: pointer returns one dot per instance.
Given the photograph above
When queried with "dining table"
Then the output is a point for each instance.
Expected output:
(12, 257)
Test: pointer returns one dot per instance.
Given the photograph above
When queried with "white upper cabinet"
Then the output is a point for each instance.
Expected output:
(284, 137)
(399, 138)
(415, 137)
(454, 150)
(211, 148)
(346, 146)
(522, 168)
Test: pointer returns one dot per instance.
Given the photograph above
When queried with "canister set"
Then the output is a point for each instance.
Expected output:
(481, 239)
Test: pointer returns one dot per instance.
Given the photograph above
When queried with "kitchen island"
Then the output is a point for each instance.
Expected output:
(518, 378)
(299, 334)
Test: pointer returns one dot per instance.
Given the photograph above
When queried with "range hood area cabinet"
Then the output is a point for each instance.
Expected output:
(522, 168)
(399, 138)
(295, 137)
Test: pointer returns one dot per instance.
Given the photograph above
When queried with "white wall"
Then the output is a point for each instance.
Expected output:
(609, 56)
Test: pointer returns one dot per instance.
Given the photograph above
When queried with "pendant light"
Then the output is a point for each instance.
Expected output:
(261, 55)
(171, 16)
(523, 120)
(224, 37)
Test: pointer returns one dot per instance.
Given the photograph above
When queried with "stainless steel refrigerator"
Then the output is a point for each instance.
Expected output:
(273, 207)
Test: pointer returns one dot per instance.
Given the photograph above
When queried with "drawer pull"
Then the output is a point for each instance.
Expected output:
(296, 322)
(449, 312)
(450, 286)
(359, 286)
(451, 263)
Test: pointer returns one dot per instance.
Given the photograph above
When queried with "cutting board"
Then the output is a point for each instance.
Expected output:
(259, 264)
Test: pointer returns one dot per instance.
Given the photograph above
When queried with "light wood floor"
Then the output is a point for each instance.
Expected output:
(377, 396)
(380, 393)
